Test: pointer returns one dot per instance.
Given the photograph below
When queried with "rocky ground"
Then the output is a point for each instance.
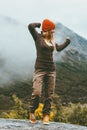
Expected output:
(13, 124)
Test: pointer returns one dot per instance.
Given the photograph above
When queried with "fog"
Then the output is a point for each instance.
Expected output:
(17, 51)
(71, 13)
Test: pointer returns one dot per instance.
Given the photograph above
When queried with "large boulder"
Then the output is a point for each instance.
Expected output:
(15, 124)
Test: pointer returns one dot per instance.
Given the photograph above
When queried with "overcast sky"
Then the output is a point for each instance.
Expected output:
(71, 13)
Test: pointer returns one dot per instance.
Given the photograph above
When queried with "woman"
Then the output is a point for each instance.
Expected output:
(44, 67)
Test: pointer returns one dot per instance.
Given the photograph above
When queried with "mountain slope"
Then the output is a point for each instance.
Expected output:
(71, 66)
(17, 57)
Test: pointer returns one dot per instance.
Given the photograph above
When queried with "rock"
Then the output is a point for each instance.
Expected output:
(15, 124)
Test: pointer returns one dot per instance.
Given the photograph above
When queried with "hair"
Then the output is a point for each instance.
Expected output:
(47, 35)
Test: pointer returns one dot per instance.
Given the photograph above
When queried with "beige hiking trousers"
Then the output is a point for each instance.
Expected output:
(48, 79)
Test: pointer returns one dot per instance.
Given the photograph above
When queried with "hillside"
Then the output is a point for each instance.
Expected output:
(17, 57)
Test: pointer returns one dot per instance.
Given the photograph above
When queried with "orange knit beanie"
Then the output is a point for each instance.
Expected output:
(47, 25)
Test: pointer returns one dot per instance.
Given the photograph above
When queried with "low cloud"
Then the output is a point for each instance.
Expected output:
(17, 51)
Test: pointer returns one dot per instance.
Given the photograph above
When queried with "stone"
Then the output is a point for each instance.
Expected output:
(16, 124)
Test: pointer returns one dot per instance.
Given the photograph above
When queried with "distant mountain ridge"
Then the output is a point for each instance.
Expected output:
(78, 43)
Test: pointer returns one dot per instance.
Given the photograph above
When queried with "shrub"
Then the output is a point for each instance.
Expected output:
(18, 111)
(79, 115)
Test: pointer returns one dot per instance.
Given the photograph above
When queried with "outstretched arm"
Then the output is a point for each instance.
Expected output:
(64, 45)
(32, 29)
